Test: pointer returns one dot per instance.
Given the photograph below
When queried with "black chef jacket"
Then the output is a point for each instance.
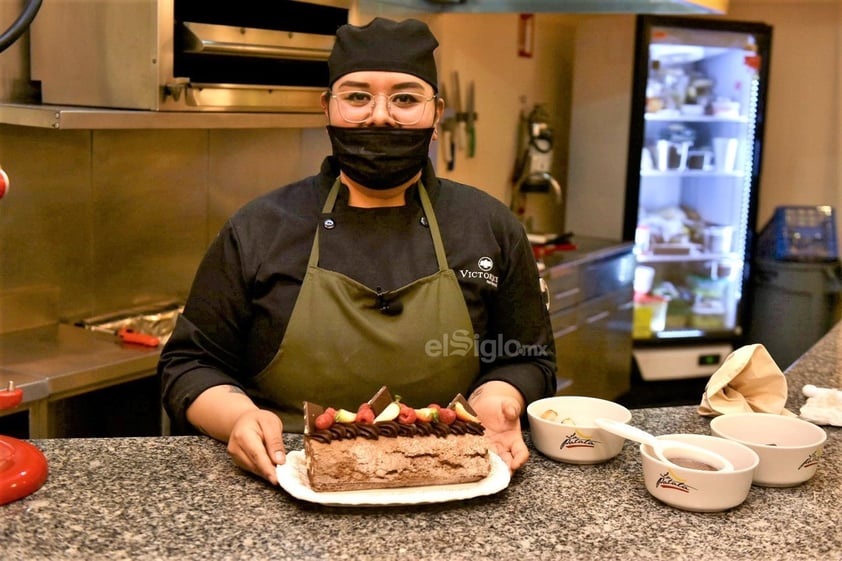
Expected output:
(247, 284)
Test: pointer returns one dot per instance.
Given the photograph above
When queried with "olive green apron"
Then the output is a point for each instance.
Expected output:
(345, 340)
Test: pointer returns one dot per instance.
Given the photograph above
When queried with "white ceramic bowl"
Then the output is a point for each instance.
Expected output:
(573, 437)
(789, 448)
(697, 490)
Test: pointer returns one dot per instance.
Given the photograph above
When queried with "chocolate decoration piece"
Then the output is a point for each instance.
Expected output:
(461, 399)
(311, 411)
(380, 400)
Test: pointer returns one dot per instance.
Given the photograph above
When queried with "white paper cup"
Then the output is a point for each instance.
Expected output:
(725, 153)
(644, 277)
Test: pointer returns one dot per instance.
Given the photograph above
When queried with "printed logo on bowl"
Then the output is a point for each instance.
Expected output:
(812, 459)
(668, 480)
(578, 440)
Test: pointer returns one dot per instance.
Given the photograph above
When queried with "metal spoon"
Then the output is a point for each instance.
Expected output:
(666, 449)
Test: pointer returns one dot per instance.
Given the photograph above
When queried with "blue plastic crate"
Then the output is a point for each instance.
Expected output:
(799, 233)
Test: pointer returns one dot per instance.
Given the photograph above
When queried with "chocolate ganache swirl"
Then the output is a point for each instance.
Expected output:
(393, 429)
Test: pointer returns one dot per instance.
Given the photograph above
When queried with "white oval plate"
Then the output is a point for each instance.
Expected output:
(292, 476)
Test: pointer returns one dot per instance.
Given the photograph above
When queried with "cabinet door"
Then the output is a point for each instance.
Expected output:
(565, 333)
(563, 285)
(595, 351)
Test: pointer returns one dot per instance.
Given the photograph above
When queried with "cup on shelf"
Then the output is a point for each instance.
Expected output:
(644, 278)
(718, 239)
(647, 163)
(700, 159)
(725, 153)
(672, 155)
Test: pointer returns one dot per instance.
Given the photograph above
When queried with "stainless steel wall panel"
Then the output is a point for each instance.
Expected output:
(315, 145)
(149, 190)
(245, 164)
(102, 221)
(45, 226)
(248, 163)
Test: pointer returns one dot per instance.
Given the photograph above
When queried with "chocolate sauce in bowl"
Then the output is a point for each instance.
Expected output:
(690, 463)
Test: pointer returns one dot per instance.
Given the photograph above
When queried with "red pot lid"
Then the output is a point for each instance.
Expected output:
(23, 469)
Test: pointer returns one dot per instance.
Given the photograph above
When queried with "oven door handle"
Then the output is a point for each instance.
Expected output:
(206, 38)
(266, 51)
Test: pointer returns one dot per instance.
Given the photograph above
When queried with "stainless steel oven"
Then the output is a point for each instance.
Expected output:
(185, 55)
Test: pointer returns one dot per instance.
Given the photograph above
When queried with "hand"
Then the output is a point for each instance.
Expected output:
(256, 443)
(499, 407)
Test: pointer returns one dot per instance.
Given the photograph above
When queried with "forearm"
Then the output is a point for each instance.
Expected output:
(215, 410)
(533, 380)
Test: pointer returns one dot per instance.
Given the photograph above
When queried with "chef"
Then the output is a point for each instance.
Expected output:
(372, 272)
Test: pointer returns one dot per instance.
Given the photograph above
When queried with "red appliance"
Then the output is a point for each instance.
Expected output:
(23, 467)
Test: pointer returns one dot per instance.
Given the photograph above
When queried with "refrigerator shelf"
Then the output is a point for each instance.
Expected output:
(692, 257)
(691, 173)
(683, 335)
(683, 117)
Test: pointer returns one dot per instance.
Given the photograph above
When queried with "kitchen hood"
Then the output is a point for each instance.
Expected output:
(686, 7)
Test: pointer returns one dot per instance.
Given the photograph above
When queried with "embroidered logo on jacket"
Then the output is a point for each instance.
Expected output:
(484, 267)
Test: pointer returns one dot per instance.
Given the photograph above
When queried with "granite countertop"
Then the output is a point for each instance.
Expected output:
(182, 498)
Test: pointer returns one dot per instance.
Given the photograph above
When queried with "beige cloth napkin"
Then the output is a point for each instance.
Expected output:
(748, 380)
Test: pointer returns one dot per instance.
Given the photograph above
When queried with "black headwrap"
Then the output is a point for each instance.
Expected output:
(383, 44)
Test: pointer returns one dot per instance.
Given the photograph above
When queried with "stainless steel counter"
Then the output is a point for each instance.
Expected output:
(586, 249)
(591, 304)
(59, 361)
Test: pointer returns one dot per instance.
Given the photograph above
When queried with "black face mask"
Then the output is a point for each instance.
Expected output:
(380, 158)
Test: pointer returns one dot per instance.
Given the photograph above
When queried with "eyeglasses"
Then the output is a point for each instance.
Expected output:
(405, 108)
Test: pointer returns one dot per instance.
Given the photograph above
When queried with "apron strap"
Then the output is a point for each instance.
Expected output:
(330, 201)
(328, 207)
(426, 206)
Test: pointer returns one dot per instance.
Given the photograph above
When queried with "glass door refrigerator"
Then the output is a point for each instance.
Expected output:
(697, 96)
